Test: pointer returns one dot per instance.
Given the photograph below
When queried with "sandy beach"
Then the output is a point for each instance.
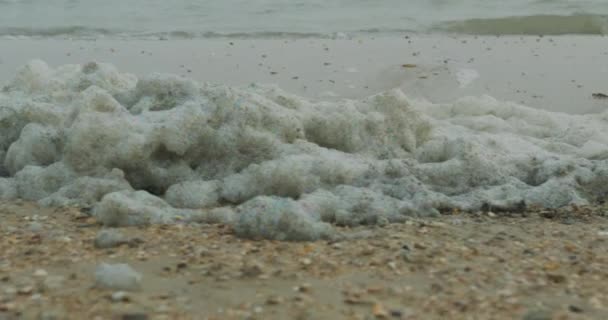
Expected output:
(539, 264)
(557, 73)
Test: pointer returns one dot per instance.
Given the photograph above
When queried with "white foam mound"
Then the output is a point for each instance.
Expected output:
(273, 165)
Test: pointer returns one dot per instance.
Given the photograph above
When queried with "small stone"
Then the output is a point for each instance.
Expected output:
(52, 315)
(575, 309)
(25, 290)
(380, 311)
(537, 315)
(117, 277)
(8, 293)
(596, 303)
(556, 278)
(419, 246)
(53, 283)
(163, 308)
(40, 273)
(302, 298)
(396, 313)
(456, 222)
(141, 255)
(134, 316)
(35, 227)
(306, 261)
(252, 270)
(120, 296)
(305, 287)
(392, 265)
(8, 307)
(109, 238)
(375, 290)
(602, 233)
(274, 300)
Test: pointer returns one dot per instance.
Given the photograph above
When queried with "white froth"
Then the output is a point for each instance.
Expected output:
(274, 165)
(466, 76)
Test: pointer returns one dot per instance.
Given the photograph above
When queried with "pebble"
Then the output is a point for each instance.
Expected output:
(35, 227)
(252, 269)
(119, 296)
(406, 253)
(602, 233)
(456, 222)
(305, 287)
(40, 273)
(274, 300)
(52, 315)
(134, 316)
(117, 277)
(537, 315)
(575, 309)
(380, 311)
(7, 307)
(25, 290)
(396, 313)
(556, 278)
(53, 282)
(8, 293)
(163, 308)
(109, 238)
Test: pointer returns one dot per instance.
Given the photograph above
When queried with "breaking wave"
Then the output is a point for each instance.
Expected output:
(82, 32)
(530, 25)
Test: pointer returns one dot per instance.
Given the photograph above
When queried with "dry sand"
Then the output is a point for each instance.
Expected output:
(539, 264)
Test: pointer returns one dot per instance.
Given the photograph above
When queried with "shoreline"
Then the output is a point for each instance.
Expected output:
(556, 73)
(543, 264)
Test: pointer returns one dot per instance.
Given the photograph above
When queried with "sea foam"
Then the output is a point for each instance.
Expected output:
(165, 149)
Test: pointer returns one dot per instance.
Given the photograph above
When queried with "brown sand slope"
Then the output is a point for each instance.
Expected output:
(539, 265)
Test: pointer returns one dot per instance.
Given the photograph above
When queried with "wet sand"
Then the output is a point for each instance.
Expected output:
(558, 73)
(539, 264)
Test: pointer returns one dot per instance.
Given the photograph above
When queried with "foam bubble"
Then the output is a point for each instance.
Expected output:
(128, 208)
(194, 194)
(466, 76)
(164, 149)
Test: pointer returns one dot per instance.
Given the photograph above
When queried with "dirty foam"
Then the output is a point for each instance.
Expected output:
(166, 149)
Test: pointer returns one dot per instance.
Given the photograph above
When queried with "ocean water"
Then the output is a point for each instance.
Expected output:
(303, 18)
